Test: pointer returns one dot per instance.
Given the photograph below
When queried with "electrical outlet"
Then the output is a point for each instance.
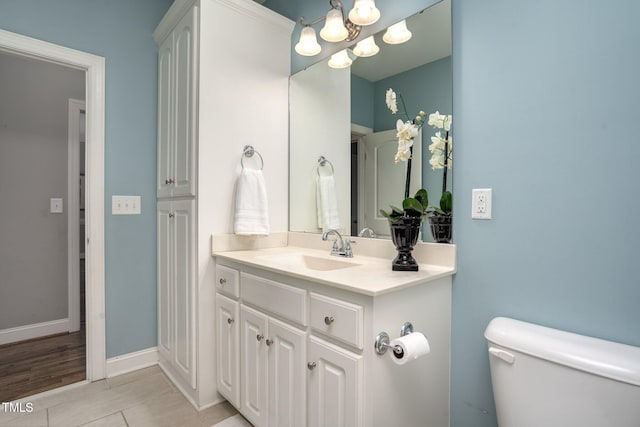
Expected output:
(481, 203)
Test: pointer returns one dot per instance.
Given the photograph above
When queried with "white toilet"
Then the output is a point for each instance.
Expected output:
(544, 377)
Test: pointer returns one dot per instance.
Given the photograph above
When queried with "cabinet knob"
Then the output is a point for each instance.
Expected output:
(222, 281)
(268, 342)
(171, 214)
(259, 337)
(328, 320)
(230, 320)
(169, 181)
(311, 365)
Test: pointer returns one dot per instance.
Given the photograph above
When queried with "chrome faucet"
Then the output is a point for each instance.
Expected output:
(369, 231)
(342, 249)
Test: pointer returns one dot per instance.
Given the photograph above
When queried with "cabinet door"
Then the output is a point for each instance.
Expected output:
(253, 366)
(165, 280)
(228, 345)
(184, 104)
(184, 290)
(287, 377)
(165, 117)
(334, 386)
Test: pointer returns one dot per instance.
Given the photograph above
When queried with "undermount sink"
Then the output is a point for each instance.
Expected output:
(309, 261)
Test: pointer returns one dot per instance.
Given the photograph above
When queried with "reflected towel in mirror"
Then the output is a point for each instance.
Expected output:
(327, 203)
(252, 211)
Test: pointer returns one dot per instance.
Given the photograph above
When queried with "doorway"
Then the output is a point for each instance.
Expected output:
(93, 68)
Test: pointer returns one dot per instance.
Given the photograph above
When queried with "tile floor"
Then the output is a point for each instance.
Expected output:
(144, 398)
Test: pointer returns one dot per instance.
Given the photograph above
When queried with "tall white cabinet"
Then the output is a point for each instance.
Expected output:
(218, 60)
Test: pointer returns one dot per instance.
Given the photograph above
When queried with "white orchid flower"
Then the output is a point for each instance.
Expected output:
(402, 155)
(448, 120)
(437, 144)
(391, 101)
(406, 130)
(437, 161)
(436, 120)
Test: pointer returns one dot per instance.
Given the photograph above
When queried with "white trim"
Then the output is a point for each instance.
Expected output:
(360, 130)
(36, 330)
(94, 66)
(132, 362)
(76, 107)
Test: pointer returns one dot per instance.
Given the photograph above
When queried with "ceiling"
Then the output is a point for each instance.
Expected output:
(431, 41)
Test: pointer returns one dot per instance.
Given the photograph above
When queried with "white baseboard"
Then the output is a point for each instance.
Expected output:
(132, 362)
(36, 330)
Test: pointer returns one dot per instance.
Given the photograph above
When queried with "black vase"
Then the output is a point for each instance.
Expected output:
(440, 228)
(404, 234)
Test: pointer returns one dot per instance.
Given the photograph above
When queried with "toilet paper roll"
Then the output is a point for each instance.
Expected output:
(409, 347)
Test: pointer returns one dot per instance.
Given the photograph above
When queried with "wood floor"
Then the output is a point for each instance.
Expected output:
(41, 364)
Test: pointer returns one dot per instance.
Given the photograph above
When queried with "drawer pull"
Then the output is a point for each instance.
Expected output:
(222, 281)
(259, 337)
(230, 320)
(311, 365)
(328, 320)
(268, 342)
(169, 181)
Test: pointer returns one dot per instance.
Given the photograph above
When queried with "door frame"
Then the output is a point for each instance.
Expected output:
(76, 108)
(94, 68)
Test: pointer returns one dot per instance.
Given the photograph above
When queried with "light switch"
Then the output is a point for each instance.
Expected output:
(125, 205)
(55, 205)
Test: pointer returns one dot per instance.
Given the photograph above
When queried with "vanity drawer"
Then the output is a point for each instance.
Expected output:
(278, 298)
(336, 318)
(228, 281)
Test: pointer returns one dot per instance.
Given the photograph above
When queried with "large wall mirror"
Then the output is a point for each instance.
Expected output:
(343, 138)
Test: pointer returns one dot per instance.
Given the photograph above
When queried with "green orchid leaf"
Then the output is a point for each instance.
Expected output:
(411, 204)
(422, 196)
(446, 202)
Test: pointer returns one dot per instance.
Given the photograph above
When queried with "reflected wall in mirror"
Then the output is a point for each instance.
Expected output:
(341, 114)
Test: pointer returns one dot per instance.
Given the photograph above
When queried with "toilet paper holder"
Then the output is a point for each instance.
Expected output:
(381, 344)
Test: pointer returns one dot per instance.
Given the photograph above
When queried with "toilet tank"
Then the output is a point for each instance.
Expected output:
(546, 377)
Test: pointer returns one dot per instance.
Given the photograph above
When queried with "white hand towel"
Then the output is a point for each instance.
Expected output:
(327, 203)
(252, 211)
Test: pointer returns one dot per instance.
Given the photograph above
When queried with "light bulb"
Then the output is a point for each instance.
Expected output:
(340, 60)
(334, 29)
(308, 43)
(364, 12)
(397, 33)
(366, 47)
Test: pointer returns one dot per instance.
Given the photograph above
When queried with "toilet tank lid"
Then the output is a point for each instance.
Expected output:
(600, 357)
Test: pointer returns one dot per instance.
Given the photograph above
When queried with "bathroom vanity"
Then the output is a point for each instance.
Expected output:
(295, 332)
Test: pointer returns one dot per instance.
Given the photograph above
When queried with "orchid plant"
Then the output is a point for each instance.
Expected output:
(407, 130)
(441, 157)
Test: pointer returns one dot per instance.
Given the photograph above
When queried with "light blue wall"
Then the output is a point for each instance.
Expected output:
(546, 107)
(120, 31)
(362, 100)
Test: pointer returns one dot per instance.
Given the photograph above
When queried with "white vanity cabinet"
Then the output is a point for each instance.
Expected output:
(307, 356)
(272, 352)
(177, 67)
(198, 154)
(176, 287)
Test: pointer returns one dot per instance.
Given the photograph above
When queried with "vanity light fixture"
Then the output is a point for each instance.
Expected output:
(338, 27)
(334, 29)
(397, 33)
(364, 12)
(308, 43)
(366, 47)
(340, 60)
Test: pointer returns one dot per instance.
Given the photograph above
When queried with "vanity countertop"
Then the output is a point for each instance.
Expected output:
(365, 275)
